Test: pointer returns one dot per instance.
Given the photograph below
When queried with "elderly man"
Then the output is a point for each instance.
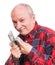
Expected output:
(37, 43)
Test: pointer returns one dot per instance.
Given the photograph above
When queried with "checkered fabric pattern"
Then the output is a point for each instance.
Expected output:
(43, 52)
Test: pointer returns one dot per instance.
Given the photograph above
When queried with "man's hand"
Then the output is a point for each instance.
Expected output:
(25, 47)
(15, 50)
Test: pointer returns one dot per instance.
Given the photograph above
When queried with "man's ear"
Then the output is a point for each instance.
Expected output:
(33, 16)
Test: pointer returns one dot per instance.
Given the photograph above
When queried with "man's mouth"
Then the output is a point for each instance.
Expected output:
(21, 29)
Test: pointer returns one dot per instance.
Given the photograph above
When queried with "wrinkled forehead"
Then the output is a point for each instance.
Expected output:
(18, 10)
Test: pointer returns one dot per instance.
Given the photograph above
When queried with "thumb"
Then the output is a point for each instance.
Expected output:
(11, 44)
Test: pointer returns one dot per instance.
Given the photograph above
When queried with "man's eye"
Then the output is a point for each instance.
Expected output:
(21, 20)
(14, 22)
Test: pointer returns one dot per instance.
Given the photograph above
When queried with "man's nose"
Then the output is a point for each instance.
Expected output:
(18, 26)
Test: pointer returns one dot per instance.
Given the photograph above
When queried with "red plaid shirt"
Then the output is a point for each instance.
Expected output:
(43, 52)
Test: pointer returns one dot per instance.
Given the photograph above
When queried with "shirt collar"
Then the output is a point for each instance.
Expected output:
(32, 32)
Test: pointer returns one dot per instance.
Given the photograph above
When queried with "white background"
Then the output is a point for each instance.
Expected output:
(45, 15)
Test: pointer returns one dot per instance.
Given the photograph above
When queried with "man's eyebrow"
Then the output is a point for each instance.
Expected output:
(21, 18)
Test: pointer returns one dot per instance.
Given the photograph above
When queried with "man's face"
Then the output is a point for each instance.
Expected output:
(22, 20)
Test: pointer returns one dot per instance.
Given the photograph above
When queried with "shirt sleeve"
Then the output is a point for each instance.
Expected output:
(44, 59)
(35, 57)
(12, 61)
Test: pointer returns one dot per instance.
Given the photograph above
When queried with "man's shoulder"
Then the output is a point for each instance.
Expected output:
(47, 29)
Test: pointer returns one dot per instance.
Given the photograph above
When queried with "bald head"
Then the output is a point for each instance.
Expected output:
(26, 7)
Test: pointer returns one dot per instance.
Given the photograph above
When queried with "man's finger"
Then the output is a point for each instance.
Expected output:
(11, 44)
